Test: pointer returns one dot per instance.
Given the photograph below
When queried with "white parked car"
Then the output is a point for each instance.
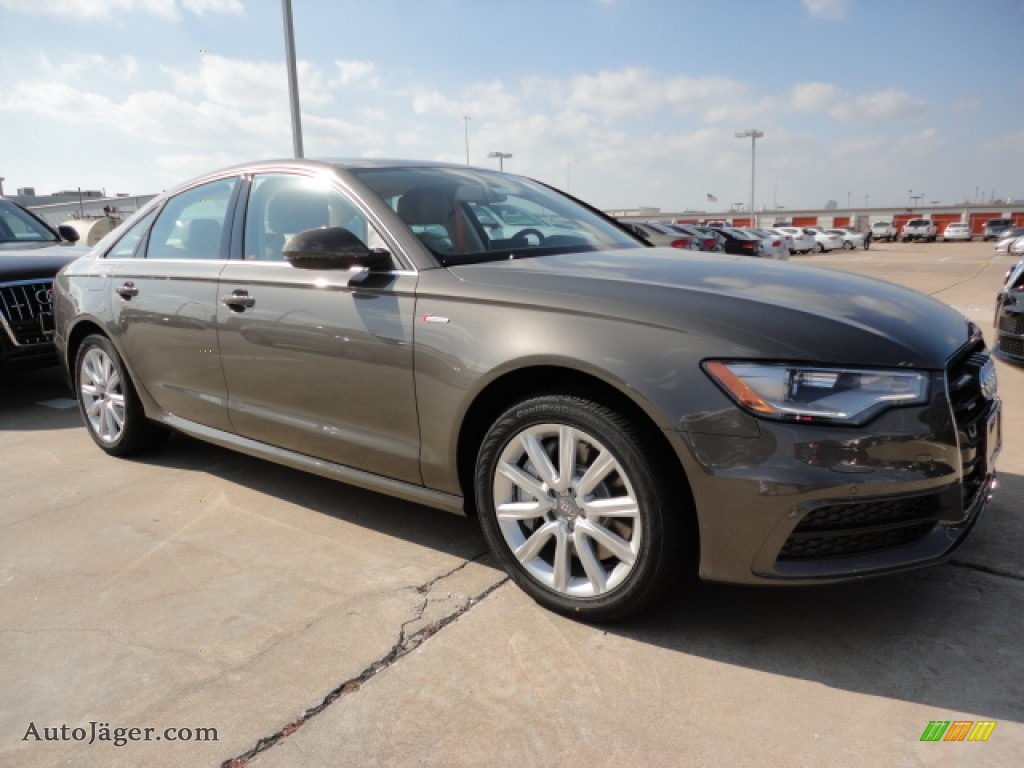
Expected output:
(773, 244)
(957, 230)
(884, 230)
(802, 241)
(850, 238)
(1017, 247)
(824, 242)
(1007, 239)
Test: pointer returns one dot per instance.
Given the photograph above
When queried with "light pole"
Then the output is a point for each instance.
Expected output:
(293, 79)
(502, 157)
(753, 135)
(467, 118)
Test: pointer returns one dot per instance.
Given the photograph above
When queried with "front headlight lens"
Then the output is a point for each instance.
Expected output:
(817, 394)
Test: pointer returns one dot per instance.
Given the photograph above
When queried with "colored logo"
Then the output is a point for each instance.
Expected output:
(958, 730)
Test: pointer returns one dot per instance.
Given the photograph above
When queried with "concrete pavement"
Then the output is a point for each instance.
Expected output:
(310, 623)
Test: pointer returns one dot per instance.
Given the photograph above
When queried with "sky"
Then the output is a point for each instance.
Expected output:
(625, 103)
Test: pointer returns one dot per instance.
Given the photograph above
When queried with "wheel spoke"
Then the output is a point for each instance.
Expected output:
(523, 510)
(522, 480)
(621, 506)
(539, 458)
(595, 473)
(567, 444)
(610, 541)
(533, 545)
(591, 564)
(563, 559)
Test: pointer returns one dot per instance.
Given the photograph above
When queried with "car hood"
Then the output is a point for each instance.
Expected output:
(754, 308)
(31, 260)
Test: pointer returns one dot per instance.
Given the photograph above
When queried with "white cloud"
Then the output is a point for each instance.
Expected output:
(881, 106)
(89, 10)
(243, 83)
(832, 10)
(88, 66)
(354, 72)
(201, 7)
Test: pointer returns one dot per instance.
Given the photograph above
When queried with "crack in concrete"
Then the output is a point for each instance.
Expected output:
(406, 644)
(986, 569)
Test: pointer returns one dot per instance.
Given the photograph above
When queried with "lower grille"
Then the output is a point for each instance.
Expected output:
(1011, 346)
(26, 309)
(853, 529)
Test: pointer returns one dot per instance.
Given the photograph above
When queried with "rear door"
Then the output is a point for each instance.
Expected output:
(162, 282)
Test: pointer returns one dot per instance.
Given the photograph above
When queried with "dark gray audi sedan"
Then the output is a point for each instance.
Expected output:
(617, 416)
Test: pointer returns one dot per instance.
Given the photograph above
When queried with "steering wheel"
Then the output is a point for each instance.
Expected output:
(522, 234)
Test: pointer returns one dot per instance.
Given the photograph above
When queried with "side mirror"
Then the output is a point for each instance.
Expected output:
(67, 232)
(332, 248)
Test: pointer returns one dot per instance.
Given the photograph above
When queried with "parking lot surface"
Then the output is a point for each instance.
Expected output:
(205, 608)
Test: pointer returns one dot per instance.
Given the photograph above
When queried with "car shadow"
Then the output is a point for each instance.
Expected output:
(452, 534)
(947, 637)
(37, 400)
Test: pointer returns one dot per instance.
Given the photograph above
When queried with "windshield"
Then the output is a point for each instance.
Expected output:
(19, 226)
(464, 215)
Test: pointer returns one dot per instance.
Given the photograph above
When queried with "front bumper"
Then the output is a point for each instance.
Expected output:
(802, 504)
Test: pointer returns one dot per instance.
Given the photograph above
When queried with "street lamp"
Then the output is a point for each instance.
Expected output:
(467, 118)
(753, 135)
(293, 79)
(502, 157)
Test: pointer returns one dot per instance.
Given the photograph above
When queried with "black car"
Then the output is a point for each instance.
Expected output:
(31, 252)
(738, 242)
(1009, 320)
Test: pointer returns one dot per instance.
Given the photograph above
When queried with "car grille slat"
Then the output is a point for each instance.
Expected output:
(23, 312)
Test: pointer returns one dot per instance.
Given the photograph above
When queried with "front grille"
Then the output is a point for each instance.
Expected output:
(26, 308)
(1011, 324)
(971, 407)
(853, 529)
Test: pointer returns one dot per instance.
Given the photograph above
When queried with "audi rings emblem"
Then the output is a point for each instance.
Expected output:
(45, 297)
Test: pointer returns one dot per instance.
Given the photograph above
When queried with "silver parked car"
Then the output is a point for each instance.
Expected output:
(851, 238)
(615, 415)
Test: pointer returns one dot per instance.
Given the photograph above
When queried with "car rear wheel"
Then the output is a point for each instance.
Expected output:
(109, 404)
(847, 245)
(576, 507)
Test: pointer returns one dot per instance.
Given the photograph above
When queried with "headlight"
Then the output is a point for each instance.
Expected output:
(817, 394)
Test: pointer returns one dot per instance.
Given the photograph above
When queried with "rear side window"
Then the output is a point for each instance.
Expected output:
(128, 245)
(192, 224)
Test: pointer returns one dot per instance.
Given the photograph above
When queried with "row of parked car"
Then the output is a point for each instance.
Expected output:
(774, 243)
(924, 229)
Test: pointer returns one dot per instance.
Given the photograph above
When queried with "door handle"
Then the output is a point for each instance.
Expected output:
(127, 290)
(238, 301)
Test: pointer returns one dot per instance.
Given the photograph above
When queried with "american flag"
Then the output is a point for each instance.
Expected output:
(712, 198)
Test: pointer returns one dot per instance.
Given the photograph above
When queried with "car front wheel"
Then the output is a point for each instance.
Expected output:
(575, 505)
(109, 404)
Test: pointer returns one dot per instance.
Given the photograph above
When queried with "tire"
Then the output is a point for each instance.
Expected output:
(595, 541)
(847, 245)
(109, 404)
(819, 248)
